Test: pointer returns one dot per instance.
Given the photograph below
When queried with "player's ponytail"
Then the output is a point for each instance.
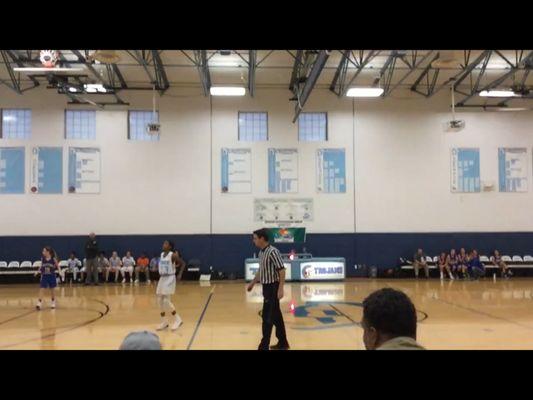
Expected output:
(51, 251)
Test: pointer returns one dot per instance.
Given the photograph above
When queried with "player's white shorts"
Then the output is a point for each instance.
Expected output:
(126, 269)
(166, 285)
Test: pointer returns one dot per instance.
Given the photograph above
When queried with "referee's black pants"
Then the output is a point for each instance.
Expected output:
(272, 316)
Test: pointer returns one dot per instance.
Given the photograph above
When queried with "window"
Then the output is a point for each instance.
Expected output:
(253, 126)
(80, 124)
(16, 124)
(313, 127)
(137, 122)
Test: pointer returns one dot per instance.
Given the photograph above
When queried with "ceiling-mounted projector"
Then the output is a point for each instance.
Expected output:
(153, 129)
(456, 124)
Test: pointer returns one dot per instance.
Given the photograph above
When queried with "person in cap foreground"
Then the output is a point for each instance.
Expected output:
(389, 321)
(141, 340)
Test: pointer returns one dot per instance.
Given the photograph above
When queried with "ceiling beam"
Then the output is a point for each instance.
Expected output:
(339, 86)
(252, 64)
(203, 70)
(317, 67)
(15, 83)
(162, 83)
(414, 66)
(496, 82)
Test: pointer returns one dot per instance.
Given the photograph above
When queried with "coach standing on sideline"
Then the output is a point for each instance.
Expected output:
(91, 253)
(271, 274)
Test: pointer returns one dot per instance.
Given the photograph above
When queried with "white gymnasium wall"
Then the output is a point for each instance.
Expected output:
(403, 168)
(402, 173)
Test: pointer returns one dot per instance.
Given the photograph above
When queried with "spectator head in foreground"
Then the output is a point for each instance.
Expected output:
(141, 340)
(389, 321)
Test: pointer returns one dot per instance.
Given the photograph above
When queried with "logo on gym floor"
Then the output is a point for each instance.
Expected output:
(313, 315)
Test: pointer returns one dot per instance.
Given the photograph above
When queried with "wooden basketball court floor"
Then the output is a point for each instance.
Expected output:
(222, 315)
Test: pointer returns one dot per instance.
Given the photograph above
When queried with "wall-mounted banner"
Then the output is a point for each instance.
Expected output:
(283, 210)
(283, 170)
(46, 170)
(331, 171)
(512, 169)
(287, 235)
(84, 170)
(12, 170)
(465, 175)
(236, 171)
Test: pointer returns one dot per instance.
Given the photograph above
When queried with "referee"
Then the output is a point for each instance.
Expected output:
(271, 274)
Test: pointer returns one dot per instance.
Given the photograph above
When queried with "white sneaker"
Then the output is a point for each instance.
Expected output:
(177, 323)
(136, 281)
(39, 305)
(148, 281)
(53, 305)
(124, 280)
(163, 325)
(451, 277)
(441, 276)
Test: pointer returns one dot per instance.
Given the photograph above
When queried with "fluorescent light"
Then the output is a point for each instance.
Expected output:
(227, 91)
(44, 69)
(498, 93)
(364, 92)
(94, 88)
(9, 118)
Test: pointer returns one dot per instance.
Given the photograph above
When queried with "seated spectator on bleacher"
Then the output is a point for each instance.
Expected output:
(154, 264)
(115, 263)
(419, 260)
(74, 266)
(128, 263)
(476, 267)
(444, 266)
(83, 269)
(453, 262)
(102, 263)
(462, 264)
(142, 266)
(389, 321)
(498, 262)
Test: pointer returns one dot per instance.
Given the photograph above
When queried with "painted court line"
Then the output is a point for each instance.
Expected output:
(201, 318)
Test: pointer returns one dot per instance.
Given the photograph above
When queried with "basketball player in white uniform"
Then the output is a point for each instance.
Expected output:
(167, 286)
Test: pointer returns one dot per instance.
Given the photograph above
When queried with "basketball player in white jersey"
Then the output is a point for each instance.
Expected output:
(167, 286)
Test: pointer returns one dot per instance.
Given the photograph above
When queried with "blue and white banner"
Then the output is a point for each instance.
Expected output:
(322, 270)
(283, 170)
(12, 170)
(465, 170)
(84, 170)
(46, 170)
(236, 171)
(331, 171)
(512, 169)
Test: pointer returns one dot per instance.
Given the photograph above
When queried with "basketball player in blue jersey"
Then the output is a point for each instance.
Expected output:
(49, 265)
(166, 286)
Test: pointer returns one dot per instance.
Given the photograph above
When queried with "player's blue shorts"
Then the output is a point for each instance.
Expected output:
(48, 281)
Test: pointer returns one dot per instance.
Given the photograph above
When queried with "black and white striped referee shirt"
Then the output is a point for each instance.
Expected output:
(270, 263)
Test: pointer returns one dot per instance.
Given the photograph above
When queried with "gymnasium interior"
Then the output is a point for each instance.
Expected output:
(352, 159)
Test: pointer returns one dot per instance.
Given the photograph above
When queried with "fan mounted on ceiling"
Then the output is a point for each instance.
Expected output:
(105, 56)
